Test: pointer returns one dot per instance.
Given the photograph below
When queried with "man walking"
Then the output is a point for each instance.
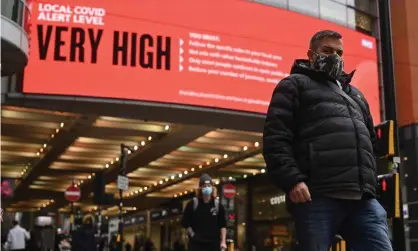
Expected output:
(205, 219)
(318, 147)
(17, 237)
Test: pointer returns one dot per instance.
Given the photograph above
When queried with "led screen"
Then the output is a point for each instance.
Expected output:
(226, 54)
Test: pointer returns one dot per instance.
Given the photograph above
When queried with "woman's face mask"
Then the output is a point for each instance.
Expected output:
(333, 64)
(207, 190)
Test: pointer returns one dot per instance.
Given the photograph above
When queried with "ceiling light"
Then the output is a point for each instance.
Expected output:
(117, 159)
(37, 154)
(192, 169)
(52, 201)
(256, 144)
(129, 152)
(186, 172)
(217, 182)
(225, 156)
(185, 192)
(44, 145)
(135, 148)
(208, 163)
(216, 160)
(230, 178)
(41, 150)
(149, 138)
(140, 190)
(166, 179)
(161, 182)
(134, 208)
(89, 177)
(175, 196)
(172, 177)
(263, 170)
(62, 124)
(81, 181)
(245, 176)
(166, 127)
(136, 191)
(52, 135)
(75, 185)
(180, 175)
(245, 148)
(145, 188)
(155, 183)
(107, 166)
(111, 162)
(181, 194)
(142, 143)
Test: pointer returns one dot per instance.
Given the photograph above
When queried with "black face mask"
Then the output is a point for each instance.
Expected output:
(333, 64)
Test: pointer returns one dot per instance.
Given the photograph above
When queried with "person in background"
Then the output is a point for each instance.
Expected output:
(204, 219)
(17, 237)
(83, 238)
(128, 246)
(319, 148)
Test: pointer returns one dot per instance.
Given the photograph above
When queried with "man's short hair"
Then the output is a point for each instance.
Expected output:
(15, 222)
(317, 37)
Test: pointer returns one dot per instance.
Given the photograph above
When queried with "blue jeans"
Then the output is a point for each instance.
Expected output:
(362, 224)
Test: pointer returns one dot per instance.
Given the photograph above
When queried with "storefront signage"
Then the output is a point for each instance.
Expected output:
(178, 47)
(166, 212)
(278, 200)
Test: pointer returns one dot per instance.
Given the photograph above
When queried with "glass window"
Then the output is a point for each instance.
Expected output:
(351, 18)
(364, 22)
(364, 5)
(12, 9)
(269, 203)
(276, 3)
(333, 11)
(273, 225)
(310, 7)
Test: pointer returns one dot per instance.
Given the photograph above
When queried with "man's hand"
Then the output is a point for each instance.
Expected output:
(300, 193)
(223, 246)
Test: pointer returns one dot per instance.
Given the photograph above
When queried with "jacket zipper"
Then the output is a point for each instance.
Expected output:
(360, 177)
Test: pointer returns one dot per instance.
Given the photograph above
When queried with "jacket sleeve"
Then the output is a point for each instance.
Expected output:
(279, 134)
(188, 215)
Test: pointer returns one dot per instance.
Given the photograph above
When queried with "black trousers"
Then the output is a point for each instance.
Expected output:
(203, 246)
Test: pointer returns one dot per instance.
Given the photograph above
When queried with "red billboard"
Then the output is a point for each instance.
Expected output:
(215, 53)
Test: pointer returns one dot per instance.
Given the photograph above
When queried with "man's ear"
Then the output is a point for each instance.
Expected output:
(310, 55)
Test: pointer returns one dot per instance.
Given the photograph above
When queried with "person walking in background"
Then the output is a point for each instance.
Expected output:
(17, 237)
(83, 238)
(204, 219)
(318, 147)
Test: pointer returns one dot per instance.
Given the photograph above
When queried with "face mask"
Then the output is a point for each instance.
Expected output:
(207, 190)
(333, 64)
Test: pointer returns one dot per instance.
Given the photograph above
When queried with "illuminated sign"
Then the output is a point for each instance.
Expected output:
(177, 52)
(278, 200)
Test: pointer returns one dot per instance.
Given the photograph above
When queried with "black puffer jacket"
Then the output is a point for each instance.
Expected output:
(313, 134)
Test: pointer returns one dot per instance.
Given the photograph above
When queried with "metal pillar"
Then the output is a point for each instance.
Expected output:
(390, 106)
(122, 171)
(72, 213)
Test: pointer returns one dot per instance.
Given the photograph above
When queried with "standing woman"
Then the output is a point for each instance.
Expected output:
(205, 219)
